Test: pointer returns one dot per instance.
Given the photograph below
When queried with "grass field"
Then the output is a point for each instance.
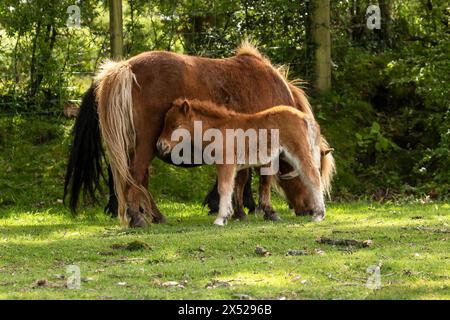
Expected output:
(189, 258)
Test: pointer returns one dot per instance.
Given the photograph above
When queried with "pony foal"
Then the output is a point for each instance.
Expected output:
(290, 134)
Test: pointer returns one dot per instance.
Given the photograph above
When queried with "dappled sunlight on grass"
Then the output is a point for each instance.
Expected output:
(410, 243)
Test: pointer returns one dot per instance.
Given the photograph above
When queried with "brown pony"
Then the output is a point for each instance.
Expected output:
(292, 187)
(289, 134)
(133, 97)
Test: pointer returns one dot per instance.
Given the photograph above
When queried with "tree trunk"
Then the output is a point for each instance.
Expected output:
(115, 28)
(321, 40)
(386, 19)
(33, 65)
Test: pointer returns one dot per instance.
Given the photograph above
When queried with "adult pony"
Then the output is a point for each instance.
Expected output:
(287, 133)
(133, 97)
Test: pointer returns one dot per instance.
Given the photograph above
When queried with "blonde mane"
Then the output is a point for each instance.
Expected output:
(248, 47)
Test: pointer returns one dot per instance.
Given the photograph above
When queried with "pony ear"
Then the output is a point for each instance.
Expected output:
(327, 151)
(185, 107)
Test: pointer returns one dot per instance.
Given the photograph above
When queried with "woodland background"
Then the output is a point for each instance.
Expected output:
(387, 112)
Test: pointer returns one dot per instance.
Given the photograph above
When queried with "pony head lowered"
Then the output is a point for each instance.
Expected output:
(293, 189)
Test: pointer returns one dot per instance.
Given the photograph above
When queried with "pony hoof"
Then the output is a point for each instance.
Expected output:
(240, 215)
(259, 210)
(304, 213)
(318, 216)
(220, 222)
(138, 222)
(241, 218)
(272, 216)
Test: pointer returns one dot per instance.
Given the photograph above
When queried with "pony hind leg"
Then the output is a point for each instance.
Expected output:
(225, 175)
(142, 209)
(248, 200)
(265, 201)
(240, 183)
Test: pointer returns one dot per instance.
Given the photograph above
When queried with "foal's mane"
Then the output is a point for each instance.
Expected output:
(207, 108)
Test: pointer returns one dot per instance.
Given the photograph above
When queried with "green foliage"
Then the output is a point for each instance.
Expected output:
(41, 57)
(387, 116)
(402, 138)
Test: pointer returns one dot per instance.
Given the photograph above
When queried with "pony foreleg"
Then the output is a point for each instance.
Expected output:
(225, 176)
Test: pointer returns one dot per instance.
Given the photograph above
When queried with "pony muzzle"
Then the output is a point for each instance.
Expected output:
(163, 147)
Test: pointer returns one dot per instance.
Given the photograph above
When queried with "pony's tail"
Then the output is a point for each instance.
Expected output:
(115, 109)
(328, 166)
(84, 170)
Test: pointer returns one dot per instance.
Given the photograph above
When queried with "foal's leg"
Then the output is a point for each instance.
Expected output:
(212, 198)
(240, 182)
(225, 176)
(265, 202)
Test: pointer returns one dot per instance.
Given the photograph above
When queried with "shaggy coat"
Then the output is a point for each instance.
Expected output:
(134, 95)
(291, 134)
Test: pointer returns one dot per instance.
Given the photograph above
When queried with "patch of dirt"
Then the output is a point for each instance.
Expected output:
(131, 246)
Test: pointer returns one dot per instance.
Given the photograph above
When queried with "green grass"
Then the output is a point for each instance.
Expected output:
(39, 239)
(409, 242)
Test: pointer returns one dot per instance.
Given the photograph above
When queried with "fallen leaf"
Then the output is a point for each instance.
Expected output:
(262, 252)
(297, 253)
(345, 242)
(320, 252)
(242, 296)
(296, 278)
(218, 283)
(87, 279)
(173, 284)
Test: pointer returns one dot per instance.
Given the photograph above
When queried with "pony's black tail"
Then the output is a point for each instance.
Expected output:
(84, 170)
